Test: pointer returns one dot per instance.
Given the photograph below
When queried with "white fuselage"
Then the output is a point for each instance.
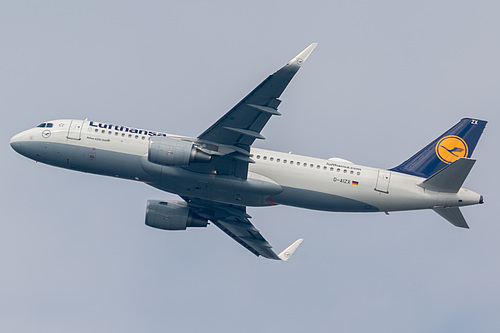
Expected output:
(274, 178)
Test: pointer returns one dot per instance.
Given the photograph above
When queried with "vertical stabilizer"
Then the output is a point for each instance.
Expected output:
(459, 141)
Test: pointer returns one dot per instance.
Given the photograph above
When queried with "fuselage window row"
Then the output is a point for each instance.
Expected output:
(116, 134)
(271, 159)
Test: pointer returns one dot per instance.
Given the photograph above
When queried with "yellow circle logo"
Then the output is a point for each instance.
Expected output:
(451, 148)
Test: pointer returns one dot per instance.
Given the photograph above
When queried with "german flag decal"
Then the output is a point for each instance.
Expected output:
(355, 183)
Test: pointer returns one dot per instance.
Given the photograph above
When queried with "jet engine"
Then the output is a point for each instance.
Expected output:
(173, 152)
(172, 215)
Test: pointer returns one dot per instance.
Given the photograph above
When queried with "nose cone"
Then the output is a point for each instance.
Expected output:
(16, 142)
(23, 143)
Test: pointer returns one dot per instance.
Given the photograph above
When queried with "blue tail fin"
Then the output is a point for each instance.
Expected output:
(458, 141)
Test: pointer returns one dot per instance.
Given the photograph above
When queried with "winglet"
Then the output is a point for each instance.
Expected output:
(302, 56)
(287, 253)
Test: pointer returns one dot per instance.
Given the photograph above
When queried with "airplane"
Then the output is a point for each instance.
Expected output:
(218, 174)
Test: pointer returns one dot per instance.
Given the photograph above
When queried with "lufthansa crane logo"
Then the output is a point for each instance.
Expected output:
(451, 148)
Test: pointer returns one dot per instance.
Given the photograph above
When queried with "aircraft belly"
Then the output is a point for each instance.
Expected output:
(86, 159)
(254, 191)
(304, 198)
(334, 191)
(405, 194)
(323, 190)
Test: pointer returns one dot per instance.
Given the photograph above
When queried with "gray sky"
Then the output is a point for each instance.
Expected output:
(385, 80)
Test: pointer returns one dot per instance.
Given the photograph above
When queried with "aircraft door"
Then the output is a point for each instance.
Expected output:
(383, 180)
(75, 130)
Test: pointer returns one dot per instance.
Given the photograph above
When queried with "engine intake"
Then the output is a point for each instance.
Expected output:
(173, 152)
(172, 215)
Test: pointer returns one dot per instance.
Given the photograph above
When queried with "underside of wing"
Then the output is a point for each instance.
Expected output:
(247, 235)
(234, 221)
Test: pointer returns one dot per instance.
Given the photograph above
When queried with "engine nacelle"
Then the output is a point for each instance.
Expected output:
(172, 215)
(167, 151)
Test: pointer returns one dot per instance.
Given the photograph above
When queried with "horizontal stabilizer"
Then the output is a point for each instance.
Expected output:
(287, 253)
(451, 178)
(452, 215)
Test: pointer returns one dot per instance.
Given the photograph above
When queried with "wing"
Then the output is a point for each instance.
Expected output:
(229, 139)
(241, 125)
(234, 221)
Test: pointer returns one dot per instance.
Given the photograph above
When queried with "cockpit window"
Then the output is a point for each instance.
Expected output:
(46, 125)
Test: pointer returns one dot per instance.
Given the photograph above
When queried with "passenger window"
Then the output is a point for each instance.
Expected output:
(258, 157)
(271, 159)
(284, 161)
(264, 158)
(277, 160)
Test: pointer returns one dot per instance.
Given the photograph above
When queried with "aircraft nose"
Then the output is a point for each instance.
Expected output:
(22, 143)
(16, 142)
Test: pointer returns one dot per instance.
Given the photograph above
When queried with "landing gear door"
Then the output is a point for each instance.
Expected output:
(383, 180)
(75, 130)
